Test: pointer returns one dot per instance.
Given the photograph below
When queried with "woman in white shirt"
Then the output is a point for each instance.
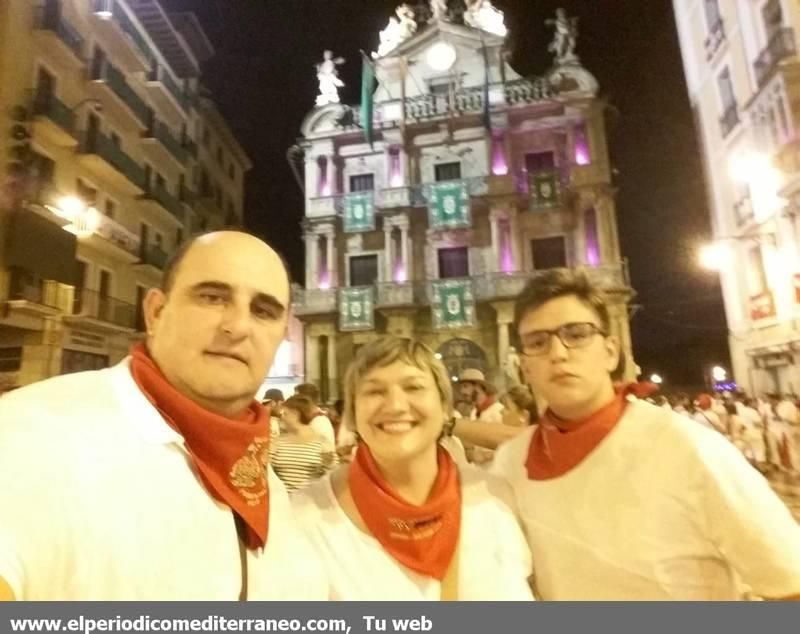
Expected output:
(403, 521)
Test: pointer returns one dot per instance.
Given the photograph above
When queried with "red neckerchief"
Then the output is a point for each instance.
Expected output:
(556, 448)
(485, 404)
(230, 455)
(422, 538)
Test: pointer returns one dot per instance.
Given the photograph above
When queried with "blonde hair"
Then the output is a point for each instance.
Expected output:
(385, 351)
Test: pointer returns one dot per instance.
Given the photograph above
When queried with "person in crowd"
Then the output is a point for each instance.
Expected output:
(520, 407)
(151, 479)
(273, 401)
(321, 423)
(472, 387)
(300, 456)
(702, 412)
(622, 500)
(403, 521)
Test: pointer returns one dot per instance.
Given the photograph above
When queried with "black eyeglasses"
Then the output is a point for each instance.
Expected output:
(572, 335)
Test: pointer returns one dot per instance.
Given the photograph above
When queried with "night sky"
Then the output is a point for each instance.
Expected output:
(263, 79)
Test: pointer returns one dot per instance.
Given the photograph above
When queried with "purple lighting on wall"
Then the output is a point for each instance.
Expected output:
(506, 251)
(582, 156)
(324, 273)
(499, 163)
(592, 243)
(395, 173)
(400, 272)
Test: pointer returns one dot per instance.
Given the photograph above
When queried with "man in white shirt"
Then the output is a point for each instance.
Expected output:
(472, 387)
(623, 500)
(320, 424)
(148, 480)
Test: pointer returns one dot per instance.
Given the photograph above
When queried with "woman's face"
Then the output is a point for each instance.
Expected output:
(399, 412)
(513, 415)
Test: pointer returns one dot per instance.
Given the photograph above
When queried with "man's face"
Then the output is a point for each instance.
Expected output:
(467, 390)
(215, 334)
(575, 382)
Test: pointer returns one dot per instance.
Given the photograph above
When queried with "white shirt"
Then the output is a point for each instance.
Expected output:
(99, 501)
(661, 509)
(494, 561)
(323, 427)
(492, 414)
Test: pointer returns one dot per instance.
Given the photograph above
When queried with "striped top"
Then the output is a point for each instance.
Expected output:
(298, 462)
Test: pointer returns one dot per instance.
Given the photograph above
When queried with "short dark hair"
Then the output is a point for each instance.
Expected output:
(309, 390)
(303, 406)
(174, 261)
(555, 283)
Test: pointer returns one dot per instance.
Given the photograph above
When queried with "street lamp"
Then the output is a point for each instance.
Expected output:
(656, 378)
(83, 220)
(719, 374)
(715, 256)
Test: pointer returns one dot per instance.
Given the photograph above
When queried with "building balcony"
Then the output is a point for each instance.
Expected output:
(115, 240)
(167, 95)
(116, 28)
(56, 36)
(729, 120)
(154, 257)
(325, 206)
(396, 294)
(43, 299)
(159, 140)
(715, 39)
(108, 86)
(110, 162)
(54, 121)
(160, 197)
(394, 197)
(313, 301)
(98, 312)
(781, 45)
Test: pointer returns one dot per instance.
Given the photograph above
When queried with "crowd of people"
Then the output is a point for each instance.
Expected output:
(162, 478)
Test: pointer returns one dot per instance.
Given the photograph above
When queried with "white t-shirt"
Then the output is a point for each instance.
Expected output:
(323, 427)
(494, 561)
(492, 414)
(661, 509)
(99, 501)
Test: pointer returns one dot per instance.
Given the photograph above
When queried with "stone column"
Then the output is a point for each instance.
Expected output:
(333, 379)
(312, 260)
(516, 238)
(494, 226)
(331, 259)
(388, 252)
(312, 359)
(404, 251)
(331, 174)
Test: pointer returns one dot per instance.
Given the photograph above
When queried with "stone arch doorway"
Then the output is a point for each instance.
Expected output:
(460, 354)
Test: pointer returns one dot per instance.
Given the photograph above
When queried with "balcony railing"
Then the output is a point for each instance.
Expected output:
(729, 119)
(160, 75)
(54, 109)
(117, 235)
(125, 24)
(169, 202)
(97, 143)
(92, 304)
(780, 46)
(116, 82)
(49, 19)
(154, 256)
(486, 287)
(716, 36)
(162, 134)
(109, 151)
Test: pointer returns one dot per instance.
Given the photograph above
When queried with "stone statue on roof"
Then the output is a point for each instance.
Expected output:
(439, 9)
(328, 77)
(565, 38)
(481, 14)
(398, 30)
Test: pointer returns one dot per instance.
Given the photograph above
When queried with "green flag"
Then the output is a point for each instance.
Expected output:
(448, 205)
(356, 308)
(367, 94)
(359, 212)
(453, 304)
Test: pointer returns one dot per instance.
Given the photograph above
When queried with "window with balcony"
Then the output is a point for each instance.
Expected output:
(453, 262)
(549, 253)
(97, 69)
(42, 175)
(362, 183)
(45, 89)
(104, 286)
(447, 171)
(10, 359)
(363, 270)
(86, 193)
(730, 109)
(110, 208)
